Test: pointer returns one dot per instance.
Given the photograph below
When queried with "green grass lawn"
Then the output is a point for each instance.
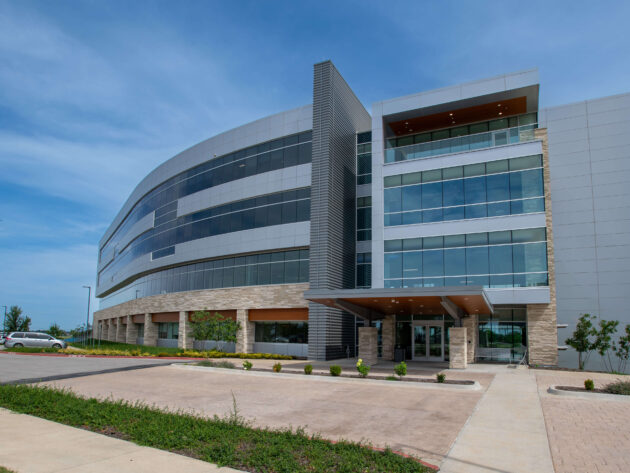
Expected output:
(228, 441)
(4, 470)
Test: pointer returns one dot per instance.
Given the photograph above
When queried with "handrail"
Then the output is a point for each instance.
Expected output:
(462, 143)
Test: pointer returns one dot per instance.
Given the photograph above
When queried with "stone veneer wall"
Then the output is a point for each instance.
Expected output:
(472, 330)
(132, 330)
(389, 337)
(184, 333)
(368, 345)
(458, 350)
(150, 331)
(245, 339)
(542, 325)
(250, 297)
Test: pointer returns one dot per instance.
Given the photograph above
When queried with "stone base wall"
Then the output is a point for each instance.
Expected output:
(389, 337)
(121, 332)
(458, 349)
(472, 330)
(104, 333)
(111, 332)
(368, 345)
(542, 334)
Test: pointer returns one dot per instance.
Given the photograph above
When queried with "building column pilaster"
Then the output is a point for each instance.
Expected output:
(121, 331)
(389, 337)
(132, 331)
(245, 336)
(184, 335)
(150, 331)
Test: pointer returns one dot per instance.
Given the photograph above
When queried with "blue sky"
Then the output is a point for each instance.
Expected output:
(95, 94)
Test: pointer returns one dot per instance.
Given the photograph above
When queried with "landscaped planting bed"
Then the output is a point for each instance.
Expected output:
(228, 441)
(619, 387)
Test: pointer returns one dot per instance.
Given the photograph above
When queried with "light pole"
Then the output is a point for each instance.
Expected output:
(87, 320)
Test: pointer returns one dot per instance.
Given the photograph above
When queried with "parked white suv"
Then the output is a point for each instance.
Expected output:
(33, 339)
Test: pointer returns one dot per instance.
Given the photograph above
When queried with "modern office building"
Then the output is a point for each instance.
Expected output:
(458, 224)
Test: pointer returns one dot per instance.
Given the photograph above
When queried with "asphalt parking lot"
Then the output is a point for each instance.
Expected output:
(17, 368)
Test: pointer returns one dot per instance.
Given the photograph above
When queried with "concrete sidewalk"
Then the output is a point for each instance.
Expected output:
(33, 445)
(506, 432)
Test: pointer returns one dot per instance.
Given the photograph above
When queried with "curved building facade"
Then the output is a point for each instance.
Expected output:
(423, 231)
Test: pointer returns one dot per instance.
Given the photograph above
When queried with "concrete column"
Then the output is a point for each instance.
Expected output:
(245, 336)
(184, 335)
(111, 333)
(458, 349)
(368, 345)
(389, 337)
(131, 334)
(121, 336)
(472, 330)
(104, 329)
(150, 331)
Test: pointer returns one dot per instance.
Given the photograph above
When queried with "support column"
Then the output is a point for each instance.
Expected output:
(458, 349)
(245, 336)
(368, 345)
(471, 323)
(121, 336)
(389, 337)
(131, 334)
(184, 335)
(150, 331)
(542, 334)
(111, 332)
(104, 330)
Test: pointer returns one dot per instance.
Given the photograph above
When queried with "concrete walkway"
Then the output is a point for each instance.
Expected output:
(506, 433)
(33, 445)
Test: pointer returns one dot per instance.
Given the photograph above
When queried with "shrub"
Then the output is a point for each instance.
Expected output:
(401, 369)
(164, 354)
(440, 377)
(363, 370)
(308, 369)
(247, 365)
(335, 370)
(217, 364)
(277, 367)
(392, 378)
(589, 385)
(618, 387)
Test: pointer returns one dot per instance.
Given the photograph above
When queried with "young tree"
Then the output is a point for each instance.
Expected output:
(16, 322)
(603, 341)
(55, 331)
(622, 349)
(215, 327)
(581, 341)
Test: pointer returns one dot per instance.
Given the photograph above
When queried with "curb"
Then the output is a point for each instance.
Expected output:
(330, 379)
(583, 395)
(67, 355)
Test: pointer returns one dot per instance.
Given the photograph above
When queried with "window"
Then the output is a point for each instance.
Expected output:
(168, 330)
(281, 332)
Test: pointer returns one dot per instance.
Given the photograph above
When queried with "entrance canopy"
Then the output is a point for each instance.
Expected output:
(375, 304)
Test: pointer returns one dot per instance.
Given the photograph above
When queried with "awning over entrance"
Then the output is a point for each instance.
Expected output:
(375, 304)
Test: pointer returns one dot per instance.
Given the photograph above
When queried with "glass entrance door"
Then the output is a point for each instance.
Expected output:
(428, 342)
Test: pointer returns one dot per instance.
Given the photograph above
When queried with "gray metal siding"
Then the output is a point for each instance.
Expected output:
(589, 159)
(337, 116)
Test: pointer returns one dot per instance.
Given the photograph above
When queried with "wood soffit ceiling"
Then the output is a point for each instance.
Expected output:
(418, 305)
(462, 116)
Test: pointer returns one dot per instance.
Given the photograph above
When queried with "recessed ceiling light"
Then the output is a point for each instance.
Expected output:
(498, 105)
(406, 123)
(450, 114)
(500, 113)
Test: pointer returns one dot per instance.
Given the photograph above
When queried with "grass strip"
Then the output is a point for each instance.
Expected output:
(123, 349)
(4, 470)
(227, 441)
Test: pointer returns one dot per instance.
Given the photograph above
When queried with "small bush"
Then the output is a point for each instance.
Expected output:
(247, 365)
(277, 367)
(618, 387)
(308, 369)
(401, 369)
(589, 385)
(440, 377)
(217, 364)
(335, 370)
(363, 370)
(164, 354)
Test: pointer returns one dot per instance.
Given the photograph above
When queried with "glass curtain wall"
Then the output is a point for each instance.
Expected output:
(492, 189)
(503, 335)
(364, 218)
(364, 158)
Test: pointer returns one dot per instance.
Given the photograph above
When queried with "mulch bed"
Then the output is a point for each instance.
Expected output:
(578, 389)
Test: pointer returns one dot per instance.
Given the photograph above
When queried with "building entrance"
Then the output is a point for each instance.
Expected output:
(428, 341)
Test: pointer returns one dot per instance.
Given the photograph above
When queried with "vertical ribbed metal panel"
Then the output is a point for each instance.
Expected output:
(337, 116)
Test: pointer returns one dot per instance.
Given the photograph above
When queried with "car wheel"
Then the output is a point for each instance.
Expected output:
(56, 345)
(18, 345)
